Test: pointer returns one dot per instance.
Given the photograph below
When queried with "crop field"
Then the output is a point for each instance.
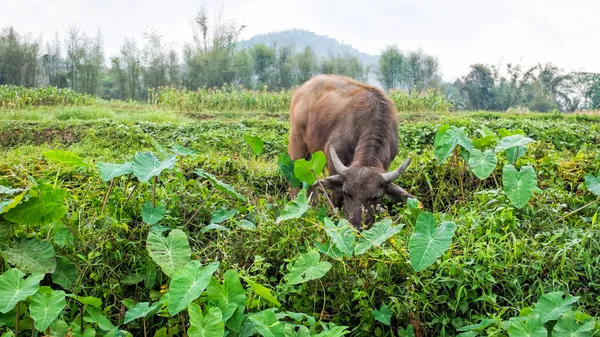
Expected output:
(175, 218)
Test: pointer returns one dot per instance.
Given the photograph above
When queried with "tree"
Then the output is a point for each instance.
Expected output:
(479, 86)
(392, 68)
(306, 64)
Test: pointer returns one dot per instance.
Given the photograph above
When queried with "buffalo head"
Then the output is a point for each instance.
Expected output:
(360, 189)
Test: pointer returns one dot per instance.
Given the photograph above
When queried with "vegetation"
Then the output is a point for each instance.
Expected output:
(114, 223)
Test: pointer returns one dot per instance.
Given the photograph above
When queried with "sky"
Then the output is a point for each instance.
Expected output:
(459, 32)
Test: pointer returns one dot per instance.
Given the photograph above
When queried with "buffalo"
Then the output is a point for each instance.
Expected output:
(355, 125)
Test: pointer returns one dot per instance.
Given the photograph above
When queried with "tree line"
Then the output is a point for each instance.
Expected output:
(212, 59)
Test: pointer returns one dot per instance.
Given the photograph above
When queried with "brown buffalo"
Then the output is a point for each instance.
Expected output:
(355, 125)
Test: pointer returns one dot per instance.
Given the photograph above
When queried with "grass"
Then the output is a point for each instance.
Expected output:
(502, 259)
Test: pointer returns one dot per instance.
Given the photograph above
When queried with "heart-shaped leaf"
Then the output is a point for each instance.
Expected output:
(183, 151)
(45, 308)
(99, 318)
(40, 210)
(141, 310)
(108, 171)
(171, 253)
(152, 215)
(428, 243)
(230, 292)
(551, 306)
(267, 324)
(14, 288)
(64, 157)
(592, 184)
(307, 171)
(295, 208)
(65, 273)
(567, 326)
(146, 165)
(484, 323)
(519, 185)
(256, 143)
(222, 215)
(379, 233)
(515, 146)
(307, 267)
(31, 256)
(482, 163)
(89, 300)
(8, 204)
(447, 138)
(286, 167)
(383, 315)
(209, 324)
(528, 326)
(341, 235)
(219, 185)
(188, 283)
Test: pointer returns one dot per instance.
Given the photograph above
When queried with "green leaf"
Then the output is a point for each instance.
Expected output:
(47, 207)
(519, 185)
(98, 317)
(307, 267)
(208, 325)
(65, 273)
(468, 334)
(230, 292)
(171, 253)
(303, 169)
(383, 315)
(146, 165)
(219, 185)
(7, 205)
(515, 146)
(447, 138)
(108, 171)
(89, 300)
(214, 227)
(245, 224)
(484, 142)
(9, 190)
(528, 326)
(482, 163)
(14, 288)
(152, 215)
(295, 208)
(141, 310)
(183, 151)
(513, 142)
(188, 284)
(341, 235)
(256, 143)
(592, 184)
(428, 243)
(31, 256)
(45, 308)
(222, 215)
(267, 324)
(379, 233)
(567, 326)
(484, 323)
(551, 306)
(286, 167)
(63, 237)
(262, 291)
(64, 157)
(330, 250)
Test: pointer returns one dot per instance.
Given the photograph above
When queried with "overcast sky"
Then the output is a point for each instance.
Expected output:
(459, 32)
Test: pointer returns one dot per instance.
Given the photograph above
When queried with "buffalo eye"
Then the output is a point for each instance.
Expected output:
(347, 195)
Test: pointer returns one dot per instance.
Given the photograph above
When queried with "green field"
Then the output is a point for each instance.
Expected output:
(104, 241)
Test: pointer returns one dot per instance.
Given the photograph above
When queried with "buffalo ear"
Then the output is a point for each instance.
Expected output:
(332, 182)
(397, 193)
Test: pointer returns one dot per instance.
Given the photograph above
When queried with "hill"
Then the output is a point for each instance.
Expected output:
(322, 45)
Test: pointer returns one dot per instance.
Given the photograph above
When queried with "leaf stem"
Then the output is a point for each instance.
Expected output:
(17, 320)
(199, 208)
(132, 191)
(154, 192)
(575, 211)
(112, 182)
(144, 324)
(324, 192)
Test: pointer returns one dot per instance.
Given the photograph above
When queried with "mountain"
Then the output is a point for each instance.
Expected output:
(322, 45)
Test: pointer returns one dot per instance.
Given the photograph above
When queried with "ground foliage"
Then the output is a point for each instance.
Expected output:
(198, 232)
